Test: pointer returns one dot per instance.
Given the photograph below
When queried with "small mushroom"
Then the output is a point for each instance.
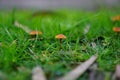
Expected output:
(35, 33)
(116, 18)
(116, 29)
(60, 37)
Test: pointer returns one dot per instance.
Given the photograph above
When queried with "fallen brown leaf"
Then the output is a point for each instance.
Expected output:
(23, 27)
(117, 73)
(77, 72)
(38, 74)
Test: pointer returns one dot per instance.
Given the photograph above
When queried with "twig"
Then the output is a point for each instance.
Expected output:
(93, 71)
(38, 74)
(117, 73)
(86, 29)
(93, 45)
(74, 74)
(23, 27)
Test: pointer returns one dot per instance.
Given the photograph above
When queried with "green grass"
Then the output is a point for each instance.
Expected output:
(18, 55)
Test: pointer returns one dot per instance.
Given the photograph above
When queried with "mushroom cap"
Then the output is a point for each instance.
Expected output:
(35, 33)
(60, 36)
(116, 29)
(116, 18)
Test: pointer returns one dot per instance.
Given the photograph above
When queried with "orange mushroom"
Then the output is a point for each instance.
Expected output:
(116, 29)
(60, 37)
(34, 33)
(116, 18)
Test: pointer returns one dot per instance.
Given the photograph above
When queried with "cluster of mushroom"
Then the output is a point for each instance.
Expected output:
(59, 36)
(34, 33)
(115, 19)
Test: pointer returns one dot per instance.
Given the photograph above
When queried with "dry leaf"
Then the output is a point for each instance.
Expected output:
(93, 45)
(87, 28)
(38, 74)
(25, 28)
(117, 73)
(77, 72)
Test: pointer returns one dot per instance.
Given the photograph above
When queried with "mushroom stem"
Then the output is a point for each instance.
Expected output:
(60, 37)
(60, 43)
